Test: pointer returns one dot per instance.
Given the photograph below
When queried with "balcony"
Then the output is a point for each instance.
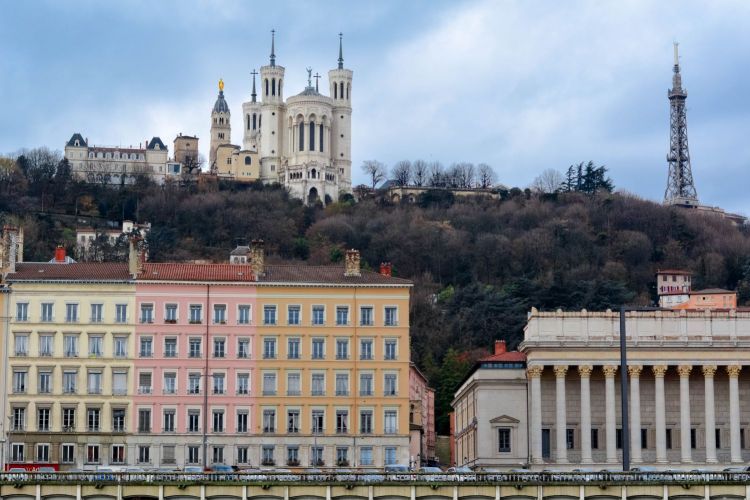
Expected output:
(147, 320)
(170, 321)
(144, 390)
(342, 393)
(169, 391)
(45, 354)
(95, 390)
(195, 321)
(220, 321)
(22, 353)
(318, 392)
(71, 319)
(96, 319)
(365, 392)
(145, 354)
(243, 392)
(269, 392)
(293, 393)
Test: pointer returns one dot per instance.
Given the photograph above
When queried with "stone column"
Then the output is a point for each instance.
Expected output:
(635, 413)
(561, 424)
(685, 450)
(535, 375)
(660, 414)
(734, 412)
(609, 414)
(710, 420)
(585, 373)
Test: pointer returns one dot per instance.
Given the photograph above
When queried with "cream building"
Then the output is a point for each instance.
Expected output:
(303, 142)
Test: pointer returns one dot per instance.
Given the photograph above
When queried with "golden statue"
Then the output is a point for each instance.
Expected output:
(221, 85)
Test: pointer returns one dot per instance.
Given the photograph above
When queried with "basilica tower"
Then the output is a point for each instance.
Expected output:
(340, 81)
(272, 112)
(251, 112)
(221, 130)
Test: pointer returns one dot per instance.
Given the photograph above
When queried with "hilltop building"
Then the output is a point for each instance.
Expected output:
(302, 142)
(675, 292)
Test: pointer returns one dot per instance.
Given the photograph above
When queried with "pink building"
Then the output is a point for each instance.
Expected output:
(421, 418)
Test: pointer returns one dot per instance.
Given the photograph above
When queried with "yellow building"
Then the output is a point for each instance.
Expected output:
(236, 164)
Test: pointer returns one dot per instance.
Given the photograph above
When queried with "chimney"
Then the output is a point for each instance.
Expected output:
(257, 258)
(500, 347)
(135, 257)
(352, 263)
(60, 254)
(11, 249)
(386, 269)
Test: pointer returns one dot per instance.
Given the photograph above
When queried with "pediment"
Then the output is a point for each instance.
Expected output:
(504, 419)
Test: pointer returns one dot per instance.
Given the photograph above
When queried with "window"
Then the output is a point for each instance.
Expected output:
(118, 420)
(70, 344)
(144, 420)
(71, 313)
(170, 348)
(391, 316)
(219, 348)
(390, 422)
(618, 438)
(318, 349)
(19, 381)
(242, 454)
(365, 384)
(42, 419)
(94, 382)
(92, 454)
(318, 384)
(318, 315)
(93, 422)
(365, 455)
(318, 419)
(243, 348)
(390, 455)
(69, 419)
(644, 438)
(42, 453)
(365, 349)
(390, 349)
(21, 345)
(342, 456)
(243, 315)
(693, 439)
(96, 346)
(269, 315)
(595, 439)
(292, 421)
(301, 136)
(342, 315)
(570, 438)
(67, 453)
(70, 382)
(293, 315)
(193, 455)
(144, 454)
(342, 421)
(292, 455)
(269, 348)
(742, 439)
(321, 138)
(121, 347)
(194, 383)
(46, 345)
(243, 383)
(144, 383)
(17, 452)
(342, 349)
(217, 453)
(121, 313)
(170, 313)
(168, 421)
(365, 422)
(269, 384)
(194, 417)
(194, 348)
(45, 382)
(269, 420)
(118, 454)
(147, 313)
(220, 314)
(717, 438)
(293, 384)
(312, 136)
(242, 421)
(267, 455)
(22, 311)
(342, 384)
(391, 384)
(293, 349)
(196, 314)
(146, 347)
(316, 456)
(218, 383)
(97, 313)
(365, 316)
(170, 383)
(47, 312)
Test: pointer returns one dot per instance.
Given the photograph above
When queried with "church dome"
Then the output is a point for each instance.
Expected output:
(221, 106)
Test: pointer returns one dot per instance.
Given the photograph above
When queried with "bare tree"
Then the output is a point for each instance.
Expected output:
(401, 172)
(437, 174)
(549, 181)
(374, 170)
(485, 176)
(419, 172)
(467, 174)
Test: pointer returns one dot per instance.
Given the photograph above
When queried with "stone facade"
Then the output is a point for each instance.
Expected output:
(421, 418)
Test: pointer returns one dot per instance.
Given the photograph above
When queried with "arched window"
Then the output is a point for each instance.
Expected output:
(260, 120)
(312, 136)
(279, 87)
(273, 86)
(341, 89)
(348, 88)
(248, 122)
(266, 86)
(254, 120)
(301, 136)
(321, 138)
(335, 91)
(248, 160)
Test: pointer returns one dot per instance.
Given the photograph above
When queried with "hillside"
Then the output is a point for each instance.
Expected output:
(478, 264)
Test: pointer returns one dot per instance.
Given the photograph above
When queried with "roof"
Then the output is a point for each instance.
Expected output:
(221, 106)
(77, 137)
(298, 273)
(154, 142)
(506, 357)
(672, 271)
(80, 271)
(310, 91)
(711, 291)
(196, 272)
(240, 250)
(185, 137)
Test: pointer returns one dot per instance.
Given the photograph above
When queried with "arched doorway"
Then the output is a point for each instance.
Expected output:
(312, 197)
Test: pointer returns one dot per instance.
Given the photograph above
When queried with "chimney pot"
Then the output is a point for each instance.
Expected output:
(60, 254)
(500, 347)
(257, 258)
(386, 269)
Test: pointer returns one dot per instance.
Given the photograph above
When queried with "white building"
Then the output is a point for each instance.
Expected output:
(303, 142)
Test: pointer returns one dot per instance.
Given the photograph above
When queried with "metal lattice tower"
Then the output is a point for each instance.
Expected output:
(680, 187)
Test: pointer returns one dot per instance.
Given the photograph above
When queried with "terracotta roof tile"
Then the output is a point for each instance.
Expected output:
(196, 272)
(80, 271)
(508, 356)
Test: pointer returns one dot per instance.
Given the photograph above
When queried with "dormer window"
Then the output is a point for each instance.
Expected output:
(77, 143)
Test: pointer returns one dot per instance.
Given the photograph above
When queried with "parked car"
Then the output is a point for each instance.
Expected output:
(431, 474)
(192, 473)
(398, 472)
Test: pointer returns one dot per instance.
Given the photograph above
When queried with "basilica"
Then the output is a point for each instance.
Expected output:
(302, 142)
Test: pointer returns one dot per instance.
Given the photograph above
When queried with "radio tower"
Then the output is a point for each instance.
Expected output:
(680, 187)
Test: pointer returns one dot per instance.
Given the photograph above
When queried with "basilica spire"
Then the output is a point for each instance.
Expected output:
(273, 49)
(341, 51)
(254, 94)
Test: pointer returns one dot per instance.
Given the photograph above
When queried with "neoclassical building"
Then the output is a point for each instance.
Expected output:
(303, 142)
(685, 374)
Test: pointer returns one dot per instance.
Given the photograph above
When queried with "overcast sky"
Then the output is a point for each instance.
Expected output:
(523, 86)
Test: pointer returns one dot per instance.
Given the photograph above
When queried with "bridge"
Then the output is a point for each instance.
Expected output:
(376, 486)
